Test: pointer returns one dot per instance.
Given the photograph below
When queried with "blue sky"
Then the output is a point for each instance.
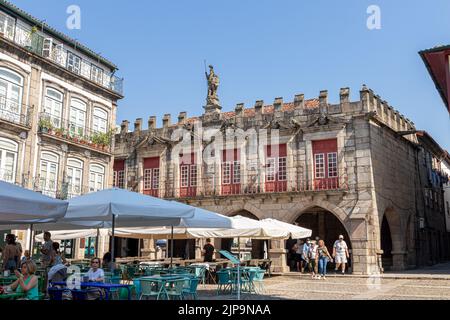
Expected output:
(261, 50)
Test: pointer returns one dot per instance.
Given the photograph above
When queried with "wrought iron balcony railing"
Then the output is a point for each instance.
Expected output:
(7, 175)
(75, 133)
(249, 185)
(12, 111)
(46, 48)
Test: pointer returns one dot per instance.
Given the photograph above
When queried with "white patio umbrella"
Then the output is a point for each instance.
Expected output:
(23, 207)
(120, 207)
(201, 219)
(296, 232)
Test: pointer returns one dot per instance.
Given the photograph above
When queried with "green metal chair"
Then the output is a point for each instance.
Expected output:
(224, 282)
(258, 281)
(116, 280)
(175, 289)
(190, 287)
(149, 288)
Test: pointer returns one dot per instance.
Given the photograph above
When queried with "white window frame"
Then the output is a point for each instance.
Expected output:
(193, 175)
(77, 117)
(7, 25)
(148, 178)
(155, 178)
(270, 169)
(73, 62)
(236, 172)
(97, 74)
(319, 166)
(74, 169)
(53, 106)
(96, 177)
(10, 147)
(226, 173)
(50, 161)
(282, 169)
(11, 95)
(184, 173)
(119, 179)
(99, 120)
(332, 164)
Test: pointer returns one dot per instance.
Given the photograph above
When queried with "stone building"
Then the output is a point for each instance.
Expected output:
(58, 103)
(354, 168)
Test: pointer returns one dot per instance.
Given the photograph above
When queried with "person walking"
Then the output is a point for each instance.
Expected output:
(340, 254)
(298, 255)
(322, 257)
(312, 259)
(305, 255)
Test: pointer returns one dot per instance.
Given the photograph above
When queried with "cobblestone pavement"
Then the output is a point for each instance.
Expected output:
(426, 284)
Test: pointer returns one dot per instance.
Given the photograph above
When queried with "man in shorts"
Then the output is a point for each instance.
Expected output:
(340, 254)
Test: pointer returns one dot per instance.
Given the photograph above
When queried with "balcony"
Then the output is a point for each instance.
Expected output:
(45, 48)
(6, 175)
(72, 133)
(59, 190)
(254, 186)
(11, 112)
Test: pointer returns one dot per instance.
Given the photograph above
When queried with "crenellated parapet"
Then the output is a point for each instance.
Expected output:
(300, 111)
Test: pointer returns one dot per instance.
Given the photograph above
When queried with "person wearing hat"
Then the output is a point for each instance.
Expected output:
(340, 254)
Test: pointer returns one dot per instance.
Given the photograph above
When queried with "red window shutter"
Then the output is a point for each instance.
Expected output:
(324, 146)
(119, 165)
(152, 162)
(275, 151)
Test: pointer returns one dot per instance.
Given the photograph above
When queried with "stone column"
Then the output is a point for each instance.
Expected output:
(277, 253)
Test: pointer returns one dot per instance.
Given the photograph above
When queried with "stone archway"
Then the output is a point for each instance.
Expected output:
(386, 244)
(325, 225)
(394, 253)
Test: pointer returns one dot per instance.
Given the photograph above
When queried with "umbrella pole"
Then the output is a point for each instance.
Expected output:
(171, 246)
(239, 248)
(96, 242)
(31, 241)
(112, 242)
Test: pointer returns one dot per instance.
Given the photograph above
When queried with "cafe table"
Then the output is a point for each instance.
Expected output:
(11, 296)
(7, 280)
(106, 286)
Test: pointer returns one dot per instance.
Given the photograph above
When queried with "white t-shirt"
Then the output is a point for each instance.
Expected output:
(340, 247)
(95, 275)
(313, 251)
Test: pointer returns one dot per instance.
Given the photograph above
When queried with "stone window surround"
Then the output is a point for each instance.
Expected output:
(323, 135)
(67, 98)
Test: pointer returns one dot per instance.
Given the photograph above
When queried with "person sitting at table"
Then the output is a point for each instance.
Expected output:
(107, 263)
(26, 256)
(95, 274)
(26, 282)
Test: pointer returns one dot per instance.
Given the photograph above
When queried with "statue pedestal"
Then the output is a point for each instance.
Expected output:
(212, 108)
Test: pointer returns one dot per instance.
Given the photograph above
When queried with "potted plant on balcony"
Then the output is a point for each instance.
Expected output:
(58, 132)
(45, 125)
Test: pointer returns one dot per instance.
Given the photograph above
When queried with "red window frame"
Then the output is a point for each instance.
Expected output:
(119, 174)
(231, 172)
(276, 168)
(326, 166)
(188, 175)
(151, 176)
